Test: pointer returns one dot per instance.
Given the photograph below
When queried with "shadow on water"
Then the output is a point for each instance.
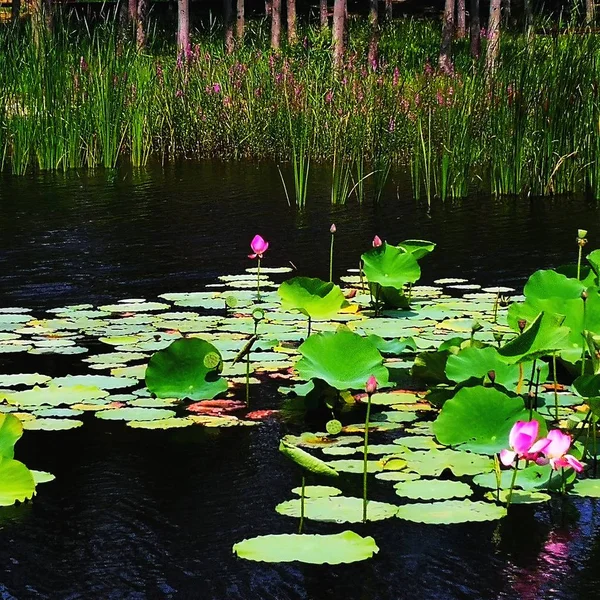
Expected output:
(137, 514)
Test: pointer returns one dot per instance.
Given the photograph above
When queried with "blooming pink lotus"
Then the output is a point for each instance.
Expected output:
(522, 440)
(377, 242)
(259, 246)
(555, 451)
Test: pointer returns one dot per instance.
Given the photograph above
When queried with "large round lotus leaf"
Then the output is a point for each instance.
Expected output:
(307, 461)
(432, 489)
(54, 395)
(588, 488)
(313, 297)
(11, 429)
(434, 462)
(333, 549)
(48, 424)
(188, 368)
(418, 248)
(337, 509)
(390, 266)
(16, 482)
(135, 414)
(104, 382)
(23, 379)
(451, 511)
(317, 491)
(480, 419)
(343, 359)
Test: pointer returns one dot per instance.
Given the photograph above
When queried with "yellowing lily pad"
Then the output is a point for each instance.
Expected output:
(135, 414)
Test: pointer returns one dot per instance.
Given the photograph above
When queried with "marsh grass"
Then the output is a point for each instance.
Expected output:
(85, 97)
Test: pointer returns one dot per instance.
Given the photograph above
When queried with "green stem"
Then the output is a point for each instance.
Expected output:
(512, 484)
(579, 261)
(248, 380)
(555, 382)
(583, 342)
(301, 525)
(258, 281)
(331, 258)
(309, 327)
(521, 378)
(496, 302)
(365, 458)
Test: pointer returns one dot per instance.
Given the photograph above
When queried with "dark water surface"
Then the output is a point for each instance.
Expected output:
(139, 514)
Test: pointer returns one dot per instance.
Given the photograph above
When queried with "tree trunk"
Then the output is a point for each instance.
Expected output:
(339, 27)
(240, 21)
(507, 11)
(323, 14)
(15, 10)
(389, 12)
(461, 19)
(183, 25)
(475, 29)
(228, 26)
(445, 60)
(140, 34)
(493, 46)
(528, 13)
(268, 7)
(590, 11)
(374, 23)
(132, 10)
(276, 24)
(291, 22)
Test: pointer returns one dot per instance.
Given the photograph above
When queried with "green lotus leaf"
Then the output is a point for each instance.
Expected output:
(393, 347)
(337, 509)
(59, 413)
(168, 423)
(320, 440)
(587, 386)
(355, 465)
(339, 451)
(390, 266)
(104, 382)
(42, 476)
(317, 491)
(397, 476)
(480, 419)
(451, 511)
(594, 260)
(531, 478)
(134, 307)
(418, 248)
(518, 497)
(430, 367)
(434, 462)
(332, 549)
(11, 429)
(135, 414)
(395, 397)
(54, 395)
(23, 379)
(588, 488)
(313, 297)
(16, 482)
(432, 489)
(179, 371)
(307, 461)
(343, 359)
(48, 424)
(417, 442)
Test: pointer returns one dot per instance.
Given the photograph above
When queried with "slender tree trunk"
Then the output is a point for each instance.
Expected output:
(268, 7)
(140, 34)
(507, 10)
(389, 10)
(461, 19)
(493, 46)
(240, 22)
(291, 22)
(445, 60)
(15, 10)
(228, 26)
(339, 28)
(132, 10)
(183, 25)
(276, 24)
(323, 14)
(374, 22)
(475, 29)
(590, 11)
(528, 13)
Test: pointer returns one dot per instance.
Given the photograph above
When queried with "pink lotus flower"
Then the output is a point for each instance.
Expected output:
(259, 246)
(522, 440)
(371, 386)
(555, 451)
(377, 242)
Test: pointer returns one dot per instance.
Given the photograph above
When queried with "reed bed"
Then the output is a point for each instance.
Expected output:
(85, 97)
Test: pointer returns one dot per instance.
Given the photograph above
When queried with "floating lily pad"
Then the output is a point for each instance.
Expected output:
(337, 509)
(588, 488)
(48, 424)
(434, 462)
(451, 511)
(60, 413)
(104, 382)
(317, 491)
(23, 379)
(350, 465)
(168, 423)
(432, 489)
(333, 549)
(54, 395)
(397, 476)
(135, 414)
(518, 497)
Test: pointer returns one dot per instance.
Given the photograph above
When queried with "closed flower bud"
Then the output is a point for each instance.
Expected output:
(371, 385)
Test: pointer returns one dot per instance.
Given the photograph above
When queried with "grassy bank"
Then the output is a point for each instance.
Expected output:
(87, 99)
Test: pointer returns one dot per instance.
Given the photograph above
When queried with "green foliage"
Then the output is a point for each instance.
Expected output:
(390, 266)
(305, 460)
(313, 297)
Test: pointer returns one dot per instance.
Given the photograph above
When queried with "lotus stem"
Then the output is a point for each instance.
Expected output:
(301, 525)
(248, 380)
(309, 327)
(579, 261)
(360, 275)
(583, 339)
(521, 378)
(331, 259)
(496, 302)
(258, 280)
(555, 382)
(365, 457)
(512, 484)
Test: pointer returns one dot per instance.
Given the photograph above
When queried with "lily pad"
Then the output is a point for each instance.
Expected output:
(434, 462)
(313, 297)
(16, 482)
(168, 423)
(337, 509)
(317, 491)
(432, 489)
(588, 488)
(135, 414)
(451, 511)
(48, 424)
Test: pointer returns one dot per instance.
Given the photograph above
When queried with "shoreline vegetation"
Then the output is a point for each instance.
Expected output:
(83, 96)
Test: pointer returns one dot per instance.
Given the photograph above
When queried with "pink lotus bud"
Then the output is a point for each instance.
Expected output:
(371, 385)
(259, 246)
(377, 242)
(332, 229)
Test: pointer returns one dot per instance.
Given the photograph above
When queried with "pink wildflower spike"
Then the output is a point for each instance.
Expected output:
(377, 242)
(556, 452)
(259, 246)
(371, 385)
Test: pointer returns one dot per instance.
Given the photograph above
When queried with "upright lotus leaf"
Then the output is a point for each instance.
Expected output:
(16, 482)
(11, 429)
(479, 419)
(543, 337)
(343, 359)
(313, 297)
(306, 461)
(418, 248)
(594, 260)
(587, 386)
(187, 368)
(390, 266)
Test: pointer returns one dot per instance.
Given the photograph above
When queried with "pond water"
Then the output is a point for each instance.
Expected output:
(153, 514)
